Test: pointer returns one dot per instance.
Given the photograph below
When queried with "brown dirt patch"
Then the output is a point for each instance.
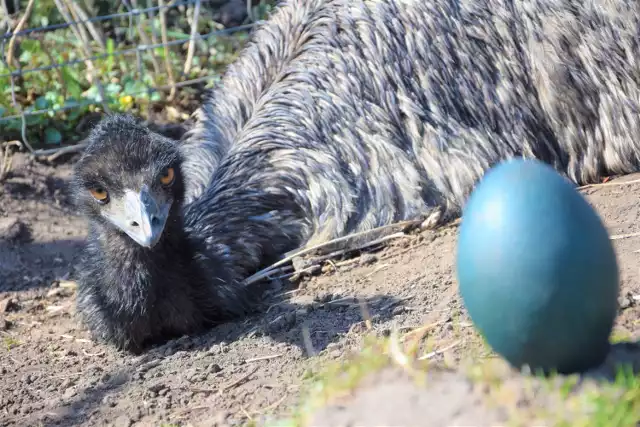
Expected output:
(53, 374)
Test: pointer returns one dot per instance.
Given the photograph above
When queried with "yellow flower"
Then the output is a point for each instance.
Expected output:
(126, 100)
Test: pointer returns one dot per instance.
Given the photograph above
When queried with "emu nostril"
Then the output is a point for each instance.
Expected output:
(155, 221)
(134, 224)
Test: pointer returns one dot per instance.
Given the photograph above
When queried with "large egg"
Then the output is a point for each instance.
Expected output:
(536, 269)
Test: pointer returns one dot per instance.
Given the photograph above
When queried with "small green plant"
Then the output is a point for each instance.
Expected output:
(618, 336)
(55, 98)
(617, 404)
(536, 399)
(11, 342)
(332, 380)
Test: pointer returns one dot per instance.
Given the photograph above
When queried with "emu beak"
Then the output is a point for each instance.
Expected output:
(142, 217)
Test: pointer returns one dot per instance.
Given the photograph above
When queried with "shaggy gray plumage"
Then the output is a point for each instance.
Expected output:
(343, 115)
(376, 111)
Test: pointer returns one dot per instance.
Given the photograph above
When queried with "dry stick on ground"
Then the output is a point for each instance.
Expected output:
(420, 332)
(7, 158)
(374, 231)
(605, 184)
(237, 382)
(273, 405)
(375, 242)
(431, 322)
(402, 358)
(623, 236)
(202, 390)
(274, 268)
(315, 261)
(269, 357)
(246, 414)
(98, 354)
(53, 154)
(266, 271)
(435, 353)
(396, 253)
(268, 408)
(5, 166)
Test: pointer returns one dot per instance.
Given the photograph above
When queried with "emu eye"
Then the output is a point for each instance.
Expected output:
(167, 176)
(100, 194)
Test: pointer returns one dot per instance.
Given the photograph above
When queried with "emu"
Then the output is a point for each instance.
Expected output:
(338, 117)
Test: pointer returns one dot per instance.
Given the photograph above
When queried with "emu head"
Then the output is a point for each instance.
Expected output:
(128, 180)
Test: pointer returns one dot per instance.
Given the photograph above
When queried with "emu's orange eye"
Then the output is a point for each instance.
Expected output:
(100, 194)
(167, 177)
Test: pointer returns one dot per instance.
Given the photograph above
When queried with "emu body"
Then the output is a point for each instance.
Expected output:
(344, 115)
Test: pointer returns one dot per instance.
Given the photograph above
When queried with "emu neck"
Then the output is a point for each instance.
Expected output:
(131, 294)
(134, 268)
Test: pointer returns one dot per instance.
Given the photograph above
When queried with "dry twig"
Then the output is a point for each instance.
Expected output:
(95, 32)
(67, 284)
(606, 184)
(396, 352)
(165, 41)
(624, 236)
(246, 414)
(420, 332)
(70, 16)
(16, 30)
(192, 40)
(273, 405)
(269, 357)
(435, 353)
(52, 154)
(7, 159)
(239, 381)
(267, 271)
(98, 354)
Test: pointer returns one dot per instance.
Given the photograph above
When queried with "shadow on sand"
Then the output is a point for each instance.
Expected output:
(320, 321)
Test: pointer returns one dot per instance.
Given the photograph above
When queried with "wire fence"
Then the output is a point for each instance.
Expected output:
(132, 58)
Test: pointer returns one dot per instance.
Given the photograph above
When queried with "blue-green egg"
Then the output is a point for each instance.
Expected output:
(537, 270)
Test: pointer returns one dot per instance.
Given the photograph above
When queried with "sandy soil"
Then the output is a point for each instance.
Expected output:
(52, 374)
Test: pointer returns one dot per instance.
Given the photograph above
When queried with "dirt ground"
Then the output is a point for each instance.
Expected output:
(52, 374)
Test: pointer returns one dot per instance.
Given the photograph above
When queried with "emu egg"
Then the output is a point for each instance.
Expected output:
(536, 269)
